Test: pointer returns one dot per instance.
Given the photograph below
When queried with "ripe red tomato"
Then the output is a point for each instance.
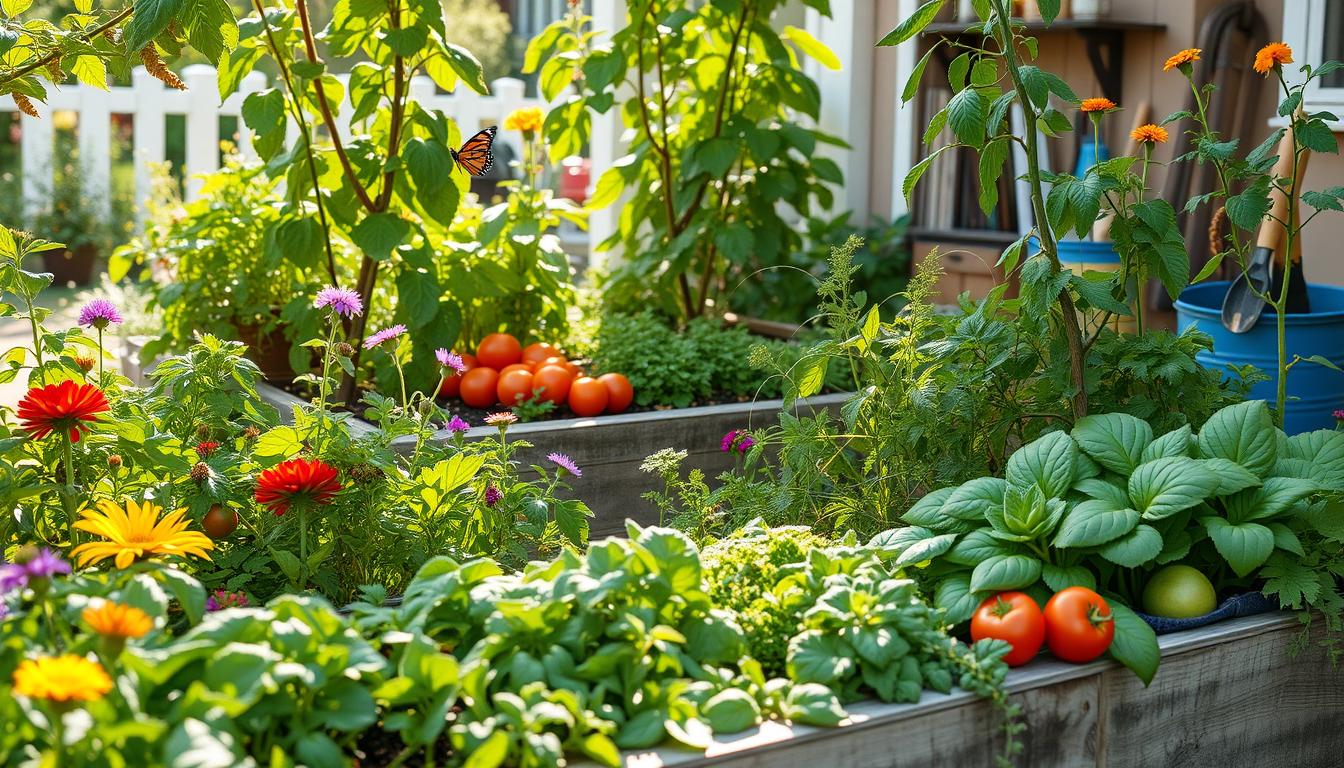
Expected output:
(452, 386)
(1013, 617)
(587, 396)
(499, 350)
(554, 382)
(538, 352)
(219, 522)
(506, 370)
(619, 392)
(478, 387)
(1078, 624)
(514, 386)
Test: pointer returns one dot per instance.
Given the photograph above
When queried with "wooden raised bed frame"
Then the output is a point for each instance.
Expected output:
(1230, 695)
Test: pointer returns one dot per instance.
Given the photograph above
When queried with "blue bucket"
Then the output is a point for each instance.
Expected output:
(1314, 391)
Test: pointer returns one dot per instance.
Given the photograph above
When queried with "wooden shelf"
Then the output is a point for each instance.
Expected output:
(961, 235)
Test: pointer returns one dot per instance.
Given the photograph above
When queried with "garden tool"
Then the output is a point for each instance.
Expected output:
(1242, 306)
(1297, 299)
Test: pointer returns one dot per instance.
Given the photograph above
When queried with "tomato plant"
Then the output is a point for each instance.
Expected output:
(1012, 617)
(1078, 624)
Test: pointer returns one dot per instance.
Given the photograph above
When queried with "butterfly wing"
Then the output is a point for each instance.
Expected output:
(476, 155)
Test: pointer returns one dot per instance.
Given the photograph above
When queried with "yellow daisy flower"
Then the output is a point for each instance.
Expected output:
(136, 532)
(61, 679)
(118, 620)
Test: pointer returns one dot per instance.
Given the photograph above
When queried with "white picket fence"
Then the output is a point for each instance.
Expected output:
(148, 101)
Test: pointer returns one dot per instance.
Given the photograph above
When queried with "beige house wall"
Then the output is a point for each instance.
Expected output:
(1065, 54)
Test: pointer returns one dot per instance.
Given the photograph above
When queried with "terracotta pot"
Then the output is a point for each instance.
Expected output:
(71, 266)
(269, 350)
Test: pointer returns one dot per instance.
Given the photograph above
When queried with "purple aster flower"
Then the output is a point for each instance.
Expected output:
(99, 314)
(12, 577)
(492, 495)
(736, 440)
(387, 334)
(45, 564)
(457, 424)
(342, 301)
(564, 462)
(1339, 415)
(450, 360)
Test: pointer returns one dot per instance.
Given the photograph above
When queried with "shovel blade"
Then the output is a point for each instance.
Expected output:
(1242, 306)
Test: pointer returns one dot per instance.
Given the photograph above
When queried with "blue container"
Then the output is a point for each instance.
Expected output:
(1097, 256)
(1089, 154)
(1314, 391)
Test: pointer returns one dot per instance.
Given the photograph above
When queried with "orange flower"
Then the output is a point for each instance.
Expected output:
(1272, 55)
(1149, 134)
(63, 407)
(1188, 56)
(1098, 104)
(118, 620)
(61, 679)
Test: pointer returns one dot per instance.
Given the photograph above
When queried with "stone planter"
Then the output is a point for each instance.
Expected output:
(610, 449)
(1228, 695)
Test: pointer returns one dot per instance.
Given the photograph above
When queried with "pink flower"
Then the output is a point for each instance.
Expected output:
(450, 360)
(736, 440)
(565, 463)
(99, 314)
(492, 495)
(387, 334)
(457, 424)
(342, 301)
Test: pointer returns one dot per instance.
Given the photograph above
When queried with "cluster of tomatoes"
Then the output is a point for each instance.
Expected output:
(1077, 625)
(504, 371)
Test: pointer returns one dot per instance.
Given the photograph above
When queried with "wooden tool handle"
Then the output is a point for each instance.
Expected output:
(1271, 232)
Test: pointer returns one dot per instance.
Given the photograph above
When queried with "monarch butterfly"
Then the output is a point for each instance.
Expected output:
(476, 156)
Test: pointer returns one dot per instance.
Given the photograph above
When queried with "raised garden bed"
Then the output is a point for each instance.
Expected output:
(1230, 694)
(610, 449)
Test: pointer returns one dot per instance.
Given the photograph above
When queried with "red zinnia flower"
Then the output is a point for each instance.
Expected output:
(295, 481)
(206, 449)
(61, 407)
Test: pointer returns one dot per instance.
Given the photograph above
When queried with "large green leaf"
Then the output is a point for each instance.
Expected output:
(816, 657)
(913, 25)
(966, 114)
(1135, 643)
(1162, 487)
(1276, 496)
(1115, 440)
(148, 19)
(1094, 522)
(976, 547)
(1058, 577)
(1138, 547)
(1175, 443)
(972, 500)
(1245, 547)
(928, 512)
(1005, 572)
(953, 595)
(1232, 477)
(1241, 433)
(1047, 462)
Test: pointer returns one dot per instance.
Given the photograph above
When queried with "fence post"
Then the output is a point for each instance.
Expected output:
(35, 151)
(95, 147)
(606, 146)
(846, 101)
(148, 144)
(202, 126)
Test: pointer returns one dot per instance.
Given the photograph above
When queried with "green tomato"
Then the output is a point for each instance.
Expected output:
(1179, 592)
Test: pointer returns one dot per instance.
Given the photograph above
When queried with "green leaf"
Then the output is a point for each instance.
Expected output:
(976, 547)
(916, 75)
(1247, 209)
(914, 24)
(379, 234)
(1135, 643)
(417, 296)
(1046, 462)
(467, 66)
(811, 46)
(1162, 487)
(1058, 577)
(1245, 547)
(187, 590)
(966, 115)
(1115, 440)
(813, 704)
(1276, 496)
(1138, 547)
(1231, 477)
(430, 165)
(1094, 522)
(609, 187)
(1243, 434)
(811, 373)
(954, 597)
(1175, 443)
(927, 511)
(729, 711)
(490, 753)
(1315, 135)
(816, 657)
(1049, 10)
(972, 500)
(148, 19)
(1005, 572)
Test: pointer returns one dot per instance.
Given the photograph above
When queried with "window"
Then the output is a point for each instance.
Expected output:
(1315, 30)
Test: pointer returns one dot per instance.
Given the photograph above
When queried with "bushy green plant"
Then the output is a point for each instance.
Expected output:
(721, 149)
(1102, 505)
(741, 574)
